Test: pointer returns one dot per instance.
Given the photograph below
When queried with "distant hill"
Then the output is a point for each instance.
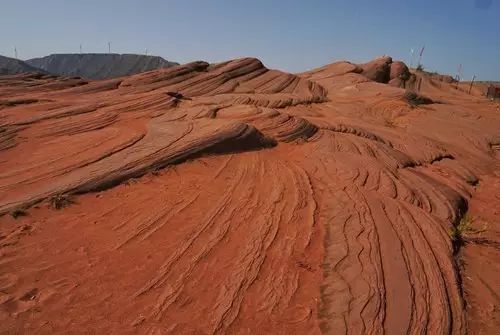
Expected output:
(14, 66)
(99, 66)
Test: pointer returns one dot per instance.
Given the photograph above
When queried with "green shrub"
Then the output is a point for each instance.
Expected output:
(464, 227)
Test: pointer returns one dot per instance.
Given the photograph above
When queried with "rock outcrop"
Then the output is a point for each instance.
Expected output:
(15, 66)
(230, 198)
(99, 66)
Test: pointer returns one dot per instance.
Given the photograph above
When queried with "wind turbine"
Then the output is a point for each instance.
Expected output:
(459, 72)
(411, 57)
(420, 55)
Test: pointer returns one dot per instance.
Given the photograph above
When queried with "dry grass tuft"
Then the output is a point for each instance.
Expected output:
(60, 201)
(18, 212)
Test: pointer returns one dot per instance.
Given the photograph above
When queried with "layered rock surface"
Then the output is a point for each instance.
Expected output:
(230, 198)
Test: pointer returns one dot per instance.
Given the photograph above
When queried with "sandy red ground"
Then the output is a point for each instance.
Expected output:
(258, 202)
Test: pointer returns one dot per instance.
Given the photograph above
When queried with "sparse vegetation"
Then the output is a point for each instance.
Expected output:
(464, 227)
(420, 68)
(415, 99)
(59, 201)
(17, 213)
(463, 232)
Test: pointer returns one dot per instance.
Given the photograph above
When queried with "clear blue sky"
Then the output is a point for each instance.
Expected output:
(289, 35)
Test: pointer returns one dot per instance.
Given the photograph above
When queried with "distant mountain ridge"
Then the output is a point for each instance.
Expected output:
(15, 66)
(99, 66)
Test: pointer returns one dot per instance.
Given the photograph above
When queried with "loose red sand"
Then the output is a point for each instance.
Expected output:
(259, 202)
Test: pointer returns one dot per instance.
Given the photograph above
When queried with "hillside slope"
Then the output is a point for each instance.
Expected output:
(99, 66)
(15, 66)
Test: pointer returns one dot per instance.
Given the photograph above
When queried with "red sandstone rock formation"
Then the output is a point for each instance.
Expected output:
(234, 199)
